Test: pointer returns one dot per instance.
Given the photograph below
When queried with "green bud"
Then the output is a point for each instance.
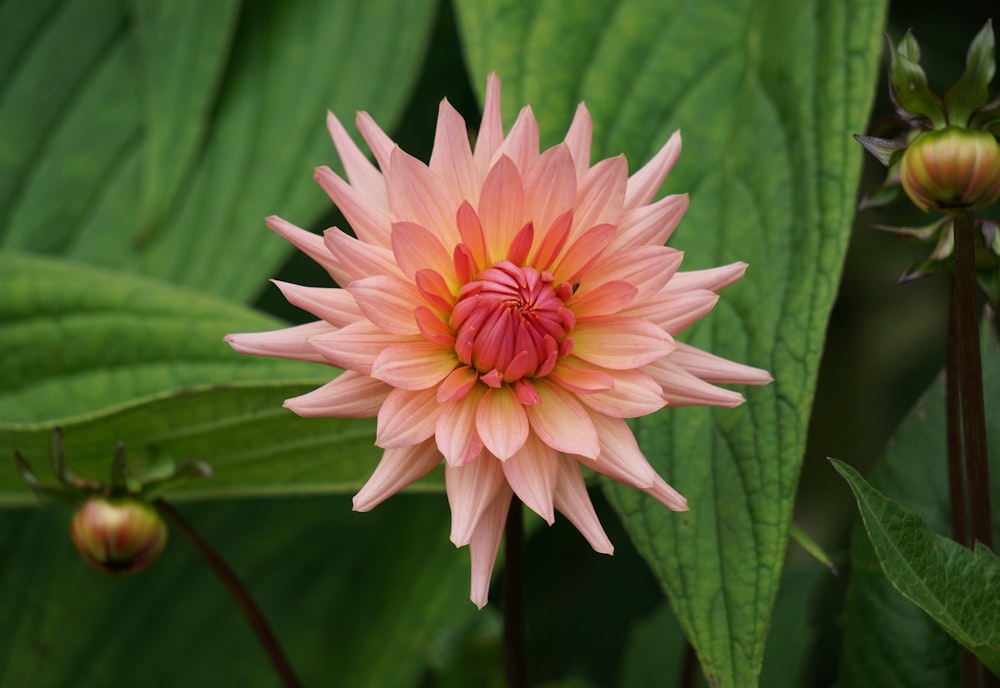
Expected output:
(118, 534)
(952, 169)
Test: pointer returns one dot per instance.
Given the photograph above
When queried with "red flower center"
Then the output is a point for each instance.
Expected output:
(512, 322)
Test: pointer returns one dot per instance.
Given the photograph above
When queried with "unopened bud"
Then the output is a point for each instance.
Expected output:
(952, 169)
(118, 534)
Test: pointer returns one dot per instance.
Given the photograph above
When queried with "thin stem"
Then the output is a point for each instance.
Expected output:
(513, 598)
(240, 594)
(958, 496)
(971, 381)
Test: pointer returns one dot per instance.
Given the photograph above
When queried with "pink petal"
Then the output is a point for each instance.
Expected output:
(491, 129)
(643, 185)
(457, 385)
(378, 141)
(553, 241)
(471, 231)
(550, 187)
(674, 310)
(415, 248)
(361, 173)
(455, 432)
(349, 395)
(647, 268)
(521, 144)
(433, 328)
(369, 221)
(712, 279)
(359, 259)
(580, 380)
(502, 422)
(416, 195)
(310, 244)
(414, 365)
(389, 302)
(651, 224)
(435, 291)
(399, 467)
(573, 502)
(291, 342)
(485, 543)
(620, 343)
(578, 139)
(471, 488)
(601, 193)
(335, 306)
(607, 299)
(407, 418)
(583, 251)
(666, 495)
(501, 208)
(560, 421)
(712, 368)
(682, 388)
(634, 394)
(356, 346)
(452, 159)
(620, 458)
(532, 473)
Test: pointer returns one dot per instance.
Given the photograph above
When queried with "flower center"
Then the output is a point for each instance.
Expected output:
(512, 322)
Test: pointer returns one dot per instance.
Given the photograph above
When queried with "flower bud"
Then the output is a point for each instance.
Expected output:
(952, 169)
(118, 534)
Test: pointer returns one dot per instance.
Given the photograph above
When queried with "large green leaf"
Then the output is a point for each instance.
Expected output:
(357, 600)
(155, 137)
(888, 640)
(766, 94)
(957, 586)
(112, 357)
(78, 340)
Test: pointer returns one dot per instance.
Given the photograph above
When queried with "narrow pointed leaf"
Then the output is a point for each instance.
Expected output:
(957, 586)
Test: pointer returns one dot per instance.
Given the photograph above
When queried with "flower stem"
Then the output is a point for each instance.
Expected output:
(970, 381)
(956, 465)
(513, 598)
(240, 594)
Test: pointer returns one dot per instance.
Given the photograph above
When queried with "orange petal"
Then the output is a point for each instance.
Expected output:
(573, 502)
(620, 343)
(471, 489)
(349, 395)
(502, 422)
(399, 467)
(561, 422)
(532, 473)
(485, 543)
(407, 418)
(414, 365)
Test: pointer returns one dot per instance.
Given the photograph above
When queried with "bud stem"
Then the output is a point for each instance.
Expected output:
(240, 594)
(513, 597)
(967, 369)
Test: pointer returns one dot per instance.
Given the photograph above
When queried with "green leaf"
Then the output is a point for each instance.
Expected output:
(889, 641)
(342, 591)
(113, 357)
(766, 95)
(972, 91)
(958, 587)
(167, 132)
(78, 341)
(908, 83)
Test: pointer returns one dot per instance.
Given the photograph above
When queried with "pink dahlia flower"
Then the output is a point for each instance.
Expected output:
(503, 310)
